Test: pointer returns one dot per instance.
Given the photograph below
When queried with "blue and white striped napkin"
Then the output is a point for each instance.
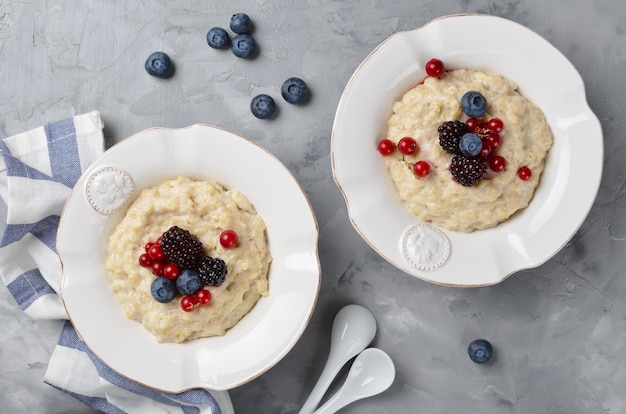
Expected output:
(37, 172)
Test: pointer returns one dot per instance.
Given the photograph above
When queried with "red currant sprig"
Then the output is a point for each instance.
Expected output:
(189, 303)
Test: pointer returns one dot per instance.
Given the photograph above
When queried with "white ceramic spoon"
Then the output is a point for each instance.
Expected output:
(371, 373)
(353, 330)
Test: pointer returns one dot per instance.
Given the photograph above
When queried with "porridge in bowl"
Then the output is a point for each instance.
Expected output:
(465, 149)
(189, 259)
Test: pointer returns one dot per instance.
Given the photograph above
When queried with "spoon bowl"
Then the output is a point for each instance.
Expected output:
(371, 373)
(354, 328)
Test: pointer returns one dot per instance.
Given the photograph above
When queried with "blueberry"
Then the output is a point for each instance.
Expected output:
(189, 282)
(262, 106)
(294, 90)
(163, 289)
(218, 38)
(240, 23)
(243, 46)
(474, 104)
(470, 144)
(159, 64)
(479, 351)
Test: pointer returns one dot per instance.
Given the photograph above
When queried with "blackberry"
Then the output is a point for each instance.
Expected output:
(181, 247)
(467, 171)
(212, 271)
(450, 133)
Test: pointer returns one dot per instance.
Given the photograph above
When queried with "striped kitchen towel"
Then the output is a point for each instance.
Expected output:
(38, 169)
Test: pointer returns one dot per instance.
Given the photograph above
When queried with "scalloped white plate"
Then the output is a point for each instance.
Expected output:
(568, 185)
(261, 338)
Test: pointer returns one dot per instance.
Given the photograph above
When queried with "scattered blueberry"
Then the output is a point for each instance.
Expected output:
(243, 46)
(189, 282)
(294, 90)
(262, 106)
(479, 351)
(240, 23)
(218, 38)
(474, 104)
(470, 144)
(163, 289)
(159, 64)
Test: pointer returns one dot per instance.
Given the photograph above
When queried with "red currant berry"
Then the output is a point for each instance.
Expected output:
(524, 173)
(473, 124)
(421, 168)
(145, 260)
(148, 246)
(486, 150)
(155, 252)
(386, 147)
(158, 267)
(203, 296)
(493, 139)
(497, 163)
(435, 67)
(495, 125)
(229, 239)
(188, 303)
(158, 240)
(407, 146)
(171, 271)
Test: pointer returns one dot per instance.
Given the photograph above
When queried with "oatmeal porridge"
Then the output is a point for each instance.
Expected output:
(206, 210)
(508, 175)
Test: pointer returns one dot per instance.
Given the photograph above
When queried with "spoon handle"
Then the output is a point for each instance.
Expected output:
(328, 374)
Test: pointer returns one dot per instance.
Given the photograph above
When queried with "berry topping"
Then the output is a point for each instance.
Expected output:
(480, 351)
(171, 271)
(450, 133)
(155, 252)
(229, 239)
(158, 267)
(493, 139)
(181, 247)
(159, 64)
(473, 124)
(407, 146)
(294, 90)
(203, 296)
(386, 147)
(262, 106)
(421, 168)
(163, 290)
(497, 163)
(495, 125)
(188, 282)
(524, 173)
(218, 38)
(435, 68)
(240, 23)
(243, 46)
(189, 303)
(212, 271)
(145, 260)
(467, 171)
(470, 144)
(474, 104)
(486, 150)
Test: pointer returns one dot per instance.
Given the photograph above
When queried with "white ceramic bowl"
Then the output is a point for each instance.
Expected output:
(263, 336)
(568, 185)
